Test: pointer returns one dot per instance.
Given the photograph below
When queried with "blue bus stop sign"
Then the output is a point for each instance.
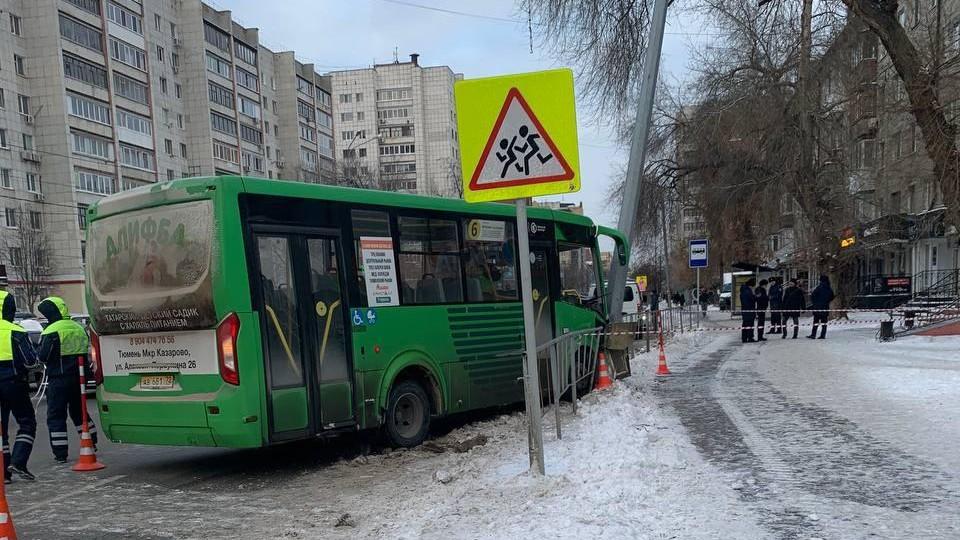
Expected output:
(698, 253)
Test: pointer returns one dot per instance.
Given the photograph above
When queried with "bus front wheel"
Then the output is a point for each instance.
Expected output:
(408, 414)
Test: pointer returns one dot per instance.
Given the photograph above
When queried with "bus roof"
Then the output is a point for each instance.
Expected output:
(191, 188)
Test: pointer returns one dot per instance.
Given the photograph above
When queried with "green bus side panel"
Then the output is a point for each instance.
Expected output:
(170, 436)
(475, 348)
(289, 409)
(369, 383)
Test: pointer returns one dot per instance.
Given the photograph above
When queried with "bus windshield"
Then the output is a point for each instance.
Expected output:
(149, 270)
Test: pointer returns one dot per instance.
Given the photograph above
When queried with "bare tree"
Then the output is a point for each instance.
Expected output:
(353, 171)
(28, 252)
(921, 74)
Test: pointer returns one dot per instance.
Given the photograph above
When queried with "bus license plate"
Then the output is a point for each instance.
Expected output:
(156, 382)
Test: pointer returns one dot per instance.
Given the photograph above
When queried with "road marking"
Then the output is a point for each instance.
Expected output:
(76, 493)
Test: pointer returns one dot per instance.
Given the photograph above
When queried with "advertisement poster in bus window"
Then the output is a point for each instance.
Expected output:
(149, 270)
(379, 271)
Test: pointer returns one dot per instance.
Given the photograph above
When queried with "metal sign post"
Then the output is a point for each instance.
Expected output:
(531, 366)
(518, 139)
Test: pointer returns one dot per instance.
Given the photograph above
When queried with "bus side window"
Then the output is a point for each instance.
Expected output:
(628, 294)
(429, 261)
(488, 259)
(367, 223)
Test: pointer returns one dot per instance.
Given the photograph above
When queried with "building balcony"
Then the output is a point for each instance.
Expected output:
(30, 155)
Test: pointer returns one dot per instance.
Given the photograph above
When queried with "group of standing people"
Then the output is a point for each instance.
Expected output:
(63, 344)
(785, 304)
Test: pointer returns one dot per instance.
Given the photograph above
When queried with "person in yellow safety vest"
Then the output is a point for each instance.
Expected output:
(62, 343)
(16, 358)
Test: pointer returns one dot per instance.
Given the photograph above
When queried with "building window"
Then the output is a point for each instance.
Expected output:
(396, 131)
(396, 149)
(27, 142)
(36, 220)
(305, 110)
(216, 37)
(83, 71)
(245, 52)
(93, 6)
(175, 61)
(183, 151)
(168, 147)
(5, 181)
(15, 25)
(359, 116)
(23, 104)
(136, 157)
(80, 33)
(304, 86)
(170, 175)
(125, 18)
(159, 54)
(33, 183)
(252, 162)
(18, 65)
(346, 117)
(391, 94)
(218, 65)
(92, 145)
(347, 135)
(94, 182)
(346, 98)
(129, 88)
(3, 100)
(324, 97)
(220, 95)
(324, 119)
(125, 53)
(359, 97)
(91, 109)
(251, 134)
(178, 89)
(134, 122)
(249, 107)
(393, 112)
(308, 159)
(225, 152)
(247, 80)
(307, 133)
(398, 168)
(3, 138)
(163, 85)
(157, 23)
(10, 215)
(223, 124)
(326, 145)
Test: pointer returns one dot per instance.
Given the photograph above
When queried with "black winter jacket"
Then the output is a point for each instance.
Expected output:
(776, 296)
(793, 299)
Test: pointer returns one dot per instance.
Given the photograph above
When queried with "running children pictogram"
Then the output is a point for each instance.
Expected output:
(519, 151)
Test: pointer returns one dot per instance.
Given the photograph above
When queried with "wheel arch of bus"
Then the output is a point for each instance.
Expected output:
(420, 366)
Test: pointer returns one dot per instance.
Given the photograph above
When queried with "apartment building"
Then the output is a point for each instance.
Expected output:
(100, 96)
(396, 127)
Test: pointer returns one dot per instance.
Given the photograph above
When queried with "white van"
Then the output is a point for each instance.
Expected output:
(634, 301)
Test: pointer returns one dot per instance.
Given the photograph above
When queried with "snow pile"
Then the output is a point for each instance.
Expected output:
(622, 469)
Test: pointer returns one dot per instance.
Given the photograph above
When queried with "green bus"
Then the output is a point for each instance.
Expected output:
(243, 312)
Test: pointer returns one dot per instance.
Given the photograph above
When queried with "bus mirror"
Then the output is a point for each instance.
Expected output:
(621, 248)
(621, 253)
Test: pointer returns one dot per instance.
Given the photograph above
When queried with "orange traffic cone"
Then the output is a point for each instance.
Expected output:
(88, 455)
(603, 379)
(7, 531)
(662, 362)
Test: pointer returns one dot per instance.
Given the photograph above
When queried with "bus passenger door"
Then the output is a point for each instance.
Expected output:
(280, 323)
(542, 300)
(327, 315)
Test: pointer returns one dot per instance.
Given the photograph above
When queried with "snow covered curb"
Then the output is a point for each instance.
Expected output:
(623, 469)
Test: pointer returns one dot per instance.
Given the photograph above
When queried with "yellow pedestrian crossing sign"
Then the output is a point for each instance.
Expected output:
(518, 136)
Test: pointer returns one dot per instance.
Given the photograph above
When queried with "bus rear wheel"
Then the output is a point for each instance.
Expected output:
(408, 414)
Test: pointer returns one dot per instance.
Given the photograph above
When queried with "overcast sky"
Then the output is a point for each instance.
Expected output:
(337, 34)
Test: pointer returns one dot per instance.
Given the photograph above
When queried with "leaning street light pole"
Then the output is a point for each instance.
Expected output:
(638, 153)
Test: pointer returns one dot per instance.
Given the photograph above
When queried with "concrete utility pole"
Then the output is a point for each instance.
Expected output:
(638, 154)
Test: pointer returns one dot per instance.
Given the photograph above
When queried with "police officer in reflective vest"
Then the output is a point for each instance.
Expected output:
(16, 357)
(62, 343)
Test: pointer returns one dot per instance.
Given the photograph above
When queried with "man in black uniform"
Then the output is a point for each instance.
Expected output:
(762, 303)
(776, 303)
(16, 357)
(792, 306)
(748, 307)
